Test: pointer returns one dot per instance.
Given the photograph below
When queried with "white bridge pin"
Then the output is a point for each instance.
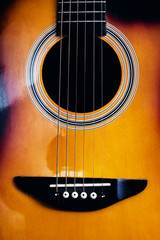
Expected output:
(66, 194)
(74, 195)
(93, 195)
(83, 195)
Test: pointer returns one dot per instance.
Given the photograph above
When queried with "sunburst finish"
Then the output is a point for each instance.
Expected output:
(28, 144)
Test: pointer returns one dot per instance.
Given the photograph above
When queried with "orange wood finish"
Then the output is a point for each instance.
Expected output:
(131, 143)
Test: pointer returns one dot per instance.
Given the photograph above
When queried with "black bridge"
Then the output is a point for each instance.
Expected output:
(79, 194)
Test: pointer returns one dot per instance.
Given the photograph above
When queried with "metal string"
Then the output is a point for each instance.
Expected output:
(76, 83)
(102, 132)
(59, 95)
(93, 86)
(68, 78)
(60, 76)
(84, 100)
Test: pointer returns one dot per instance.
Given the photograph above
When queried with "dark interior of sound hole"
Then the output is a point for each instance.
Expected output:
(111, 74)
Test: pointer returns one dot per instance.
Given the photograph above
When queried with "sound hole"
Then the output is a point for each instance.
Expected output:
(111, 74)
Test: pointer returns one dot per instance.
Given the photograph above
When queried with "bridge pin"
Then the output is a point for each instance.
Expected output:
(66, 194)
(83, 195)
(93, 195)
(56, 194)
(75, 195)
(103, 195)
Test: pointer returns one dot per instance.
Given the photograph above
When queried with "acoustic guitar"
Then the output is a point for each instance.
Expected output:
(79, 123)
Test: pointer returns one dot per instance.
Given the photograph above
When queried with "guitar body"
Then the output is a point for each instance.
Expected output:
(28, 141)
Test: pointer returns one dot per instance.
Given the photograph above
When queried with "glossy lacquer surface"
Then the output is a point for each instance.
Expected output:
(28, 140)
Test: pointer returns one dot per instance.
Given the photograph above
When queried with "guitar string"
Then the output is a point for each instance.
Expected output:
(84, 98)
(68, 85)
(76, 90)
(93, 88)
(59, 95)
(76, 86)
(102, 132)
